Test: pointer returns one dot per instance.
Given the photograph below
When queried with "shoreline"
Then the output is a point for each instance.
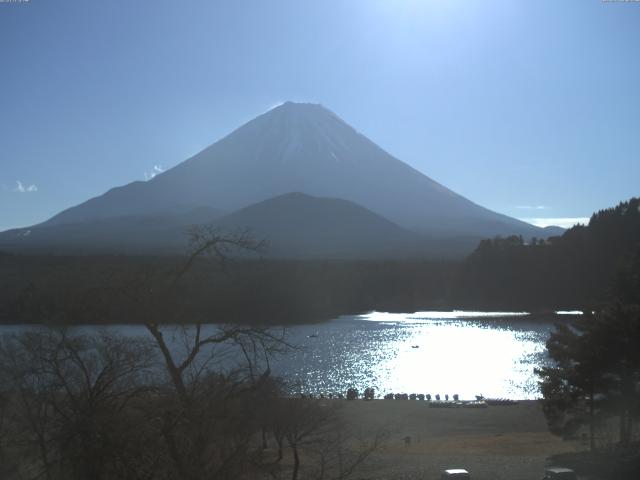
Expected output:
(501, 315)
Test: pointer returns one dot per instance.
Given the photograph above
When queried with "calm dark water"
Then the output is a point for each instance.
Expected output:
(468, 353)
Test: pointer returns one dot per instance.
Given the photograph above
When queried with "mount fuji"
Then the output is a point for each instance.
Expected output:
(295, 147)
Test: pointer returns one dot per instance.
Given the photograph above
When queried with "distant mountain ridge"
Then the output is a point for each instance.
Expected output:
(156, 232)
(293, 225)
(299, 225)
(300, 148)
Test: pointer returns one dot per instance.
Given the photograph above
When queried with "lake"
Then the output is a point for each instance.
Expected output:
(468, 353)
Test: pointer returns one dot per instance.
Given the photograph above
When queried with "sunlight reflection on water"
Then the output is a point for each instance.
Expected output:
(468, 353)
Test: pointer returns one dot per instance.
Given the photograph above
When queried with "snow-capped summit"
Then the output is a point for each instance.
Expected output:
(302, 147)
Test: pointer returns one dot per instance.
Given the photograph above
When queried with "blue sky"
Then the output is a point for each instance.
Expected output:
(529, 108)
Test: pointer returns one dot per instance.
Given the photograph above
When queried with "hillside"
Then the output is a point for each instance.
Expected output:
(296, 225)
(575, 270)
(153, 233)
(293, 225)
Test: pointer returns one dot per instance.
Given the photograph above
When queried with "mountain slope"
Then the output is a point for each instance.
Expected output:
(299, 225)
(302, 148)
(157, 232)
(294, 225)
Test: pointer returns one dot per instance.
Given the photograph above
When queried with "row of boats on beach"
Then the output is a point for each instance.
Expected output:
(436, 401)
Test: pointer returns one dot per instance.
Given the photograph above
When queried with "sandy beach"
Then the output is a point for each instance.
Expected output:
(498, 442)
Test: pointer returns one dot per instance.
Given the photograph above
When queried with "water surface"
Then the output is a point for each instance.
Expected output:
(468, 353)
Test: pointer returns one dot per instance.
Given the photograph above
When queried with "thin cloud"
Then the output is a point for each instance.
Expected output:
(156, 170)
(22, 188)
(533, 207)
(564, 222)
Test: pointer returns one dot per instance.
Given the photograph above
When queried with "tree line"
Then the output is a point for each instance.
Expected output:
(106, 290)
(575, 270)
(567, 272)
(592, 387)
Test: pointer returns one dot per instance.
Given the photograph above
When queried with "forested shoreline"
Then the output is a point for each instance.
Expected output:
(103, 290)
(574, 271)
(577, 270)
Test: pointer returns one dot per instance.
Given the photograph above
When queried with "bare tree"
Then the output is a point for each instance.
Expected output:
(196, 400)
(340, 452)
(214, 370)
(70, 395)
(304, 424)
(321, 443)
